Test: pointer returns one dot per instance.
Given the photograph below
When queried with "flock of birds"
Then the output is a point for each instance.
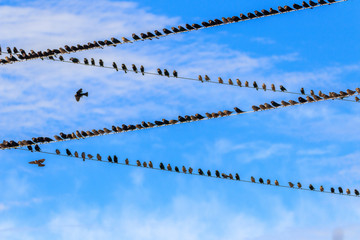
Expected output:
(22, 55)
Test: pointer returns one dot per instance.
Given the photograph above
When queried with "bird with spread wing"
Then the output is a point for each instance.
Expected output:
(79, 94)
(38, 162)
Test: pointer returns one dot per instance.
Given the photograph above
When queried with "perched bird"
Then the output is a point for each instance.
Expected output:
(217, 173)
(224, 175)
(309, 99)
(200, 172)
(176, 169)
(207, 78)
(321, 188)
(169, 167)
(276, 183)
(74, 60)
(299, 185)
(138, 163)
(312, 92)
(166, 73)
(237, 177)
(246, 84)
(76, 154)
(268, 106)
(302, 91)
(231, 176)
(238, 82)
(255, 86)
(134, 68)
(37, 148)
(348, 191)
(285, 104)
(261, 181)
(301, 100)
(125, 39)
(90, 156)
(123, 66)
(264, 86)
(57, 151)
(282, 88)
(79, 94)
(312, 3)
(356, 192)
(291, 184)
(92, 61)
(167, 31)
(296, 6)
(57, 138)
(200, 78)
(253, 179)
(98, 156)
(268, 182)
(273, 87)
(275, 104)
(68, 152)
(220, 80)
(311, 187)
(175, 74)
(190, 170)
(350, 92)
(159, 71)
(109, 159)
(262, 107)
(208, 173)
(305, 5)
(83, 156)
(357, 99)
(115, 66)
(237, 110)
(292, 102)
(38, 162)
(142, 69)
(184, 169)
(101, 63)
(255, 108)
(157, 33)
(332, 190)
(135, 37)
(151, 165)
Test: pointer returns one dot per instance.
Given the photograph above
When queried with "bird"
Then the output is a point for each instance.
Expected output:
(312, 92)
(68, 152)
(127, 161)
(311, 187)
(57, 151)
(166, 31)
(281, 9)
(76, 154)
(238, 82)
(237, 110)
(159, 71)
(208, 173)
(264, 86)
(292, 102)
(255, 86)
(114, 40)
(275, 104)
(356, 192)
(79, 94)
(268, 106)
(268, 182)
(57, 138)
(138, 163)
(134, 68)
(190, 170)
(302, 91)
(162, 167)
(273, 87)
(115, 66)
(246, 84)
(252, 179)
(285, 104)
(255, 108)
(291, 184)
(90, 156)
(200, 78)
(317, 98)
(61, 58)
(124, 68)
(135, 37)
(312, 3)
(321, 188)
(196, 26)
(98, 156)
(224, 175)
(176, 169)
(169, 167)
(200, 172)
(184, 169)
(350, 92)
(109, 159)
(257, 13)
(217, 173)
(220, 80)
(261, 181)
(157, 33)
(175, 74)
(125, 39)
(101, 63)
(37, 148)
(309, 99)
(38, 162)
(332, 190)
(207, 78)
(166, 73)
(282, 88)
(142, 69)
(83, 156)
(296, 6)
(276, 183)
(301, 100)
(92, 61)
(150, 164)
(231, 176)
(237, 177)
(262, 107)
(299, 185)
(348, 191)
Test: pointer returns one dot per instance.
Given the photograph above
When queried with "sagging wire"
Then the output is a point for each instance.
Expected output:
(200, 172)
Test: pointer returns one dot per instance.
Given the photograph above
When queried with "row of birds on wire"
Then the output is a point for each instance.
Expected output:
(164, 122)
(23, 56)
(166, 73)
(189, 170)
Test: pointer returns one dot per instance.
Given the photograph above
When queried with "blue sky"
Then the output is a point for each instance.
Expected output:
(313, 143)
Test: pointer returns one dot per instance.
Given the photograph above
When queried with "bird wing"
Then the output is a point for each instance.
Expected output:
(32, 162)
(77, 97)
(79, 91)
(41, 165)
(41, 160)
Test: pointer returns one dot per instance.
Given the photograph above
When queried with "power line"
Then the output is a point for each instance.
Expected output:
(242, 18)
(193, 173)
(3, 146)
(234, 84)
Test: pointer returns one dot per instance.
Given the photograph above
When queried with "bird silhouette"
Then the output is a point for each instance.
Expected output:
(356, 192)
(220, 80)
(134, 68)
(37, 148)
(135, 37)
(296, 6)
(252, 179)
(166, 73)
(79, 94)
(150, 164)
(162, 167)
(169, 167)
(292, 102)
(110, 159)
(92, 61)
(142, 69)
(332, 190)
(312, 3)
(76, 154)
(190, 170)
(98, 156)
(261, 181)
(275, 104)
(124, 68)
(311, 187)
(159, 71)
(224, 175)
(115, 66)
(321, 188)
(305, 5)
(184, 169)
(237, 110)
(238, 82)
(200, 171)
(68, 152)
(291, 184)
(38, 162)
(208, 173)
(282, 88)
(255, 86)
(217, 173)
(237, 177)
(301, 100)
(309, 99)
(101, 63)
(175, 74)
(200, 78)
(207, 78)
(262, 107)
(299, 185)
(302, 91)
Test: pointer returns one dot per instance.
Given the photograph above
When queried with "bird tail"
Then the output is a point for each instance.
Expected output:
(86, 94)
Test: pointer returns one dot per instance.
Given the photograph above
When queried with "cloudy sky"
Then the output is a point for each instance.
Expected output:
(312, 143)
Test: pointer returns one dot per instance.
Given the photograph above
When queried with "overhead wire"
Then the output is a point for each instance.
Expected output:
(191, 79)
(219, 23)
(180, 171)
(8, 145)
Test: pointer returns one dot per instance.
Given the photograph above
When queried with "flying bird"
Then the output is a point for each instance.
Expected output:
(79, 94)
(38, 162)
